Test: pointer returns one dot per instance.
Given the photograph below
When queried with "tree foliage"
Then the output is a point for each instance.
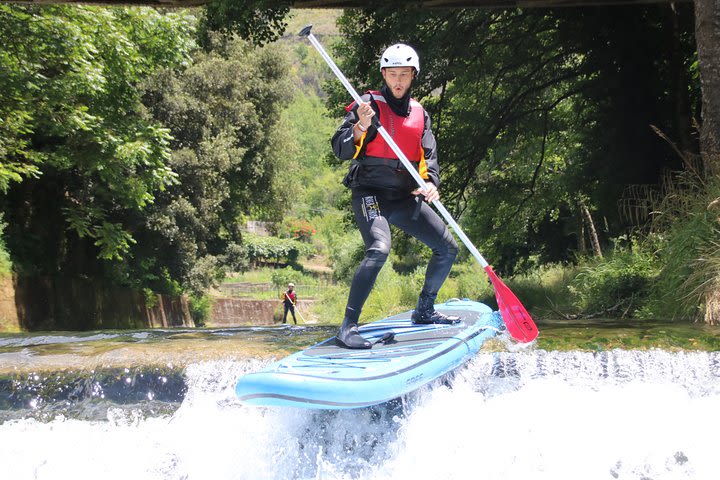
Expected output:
(315, 185)
(273, 249)
(229, 150)
(140, 153)
(536, 111)
(257, 21)
(74, 125)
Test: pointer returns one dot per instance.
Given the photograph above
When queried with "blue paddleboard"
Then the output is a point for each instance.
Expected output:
(327, 376)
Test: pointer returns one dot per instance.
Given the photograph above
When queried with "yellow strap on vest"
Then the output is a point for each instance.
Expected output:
(359, 147)
(422, 168)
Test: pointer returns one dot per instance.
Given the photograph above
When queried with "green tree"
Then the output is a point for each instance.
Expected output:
(537, 112)
(73, 122)
(230, 152)
(257, 21)
(315, 184)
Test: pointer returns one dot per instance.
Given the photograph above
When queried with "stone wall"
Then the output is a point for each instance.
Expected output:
(169, 312)
(56, 303)
(8, 313)
(232, 312)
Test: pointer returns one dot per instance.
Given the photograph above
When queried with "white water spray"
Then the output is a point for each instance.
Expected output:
(525, 415)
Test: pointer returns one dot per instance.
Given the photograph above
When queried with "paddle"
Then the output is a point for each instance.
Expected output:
(517, 320)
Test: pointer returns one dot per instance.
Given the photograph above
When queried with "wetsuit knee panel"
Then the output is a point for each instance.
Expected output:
(376, 255)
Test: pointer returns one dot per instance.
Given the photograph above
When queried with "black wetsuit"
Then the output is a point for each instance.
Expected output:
(374, 213)
(381, 195)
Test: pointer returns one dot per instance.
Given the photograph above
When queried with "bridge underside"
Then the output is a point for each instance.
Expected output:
(364, 3)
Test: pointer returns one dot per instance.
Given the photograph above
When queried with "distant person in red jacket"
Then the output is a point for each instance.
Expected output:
(289, 300)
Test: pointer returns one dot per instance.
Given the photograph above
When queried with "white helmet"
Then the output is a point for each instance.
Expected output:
(400, 55)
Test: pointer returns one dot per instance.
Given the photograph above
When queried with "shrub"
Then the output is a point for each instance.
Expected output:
(275, 249)
(281, 277)
(200, 308)
(302, 230)
(467, 280)
(5, 262)
(618, 285)
(346, 254)
(686, 235)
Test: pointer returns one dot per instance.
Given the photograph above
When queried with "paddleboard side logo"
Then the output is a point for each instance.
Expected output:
(414, 379)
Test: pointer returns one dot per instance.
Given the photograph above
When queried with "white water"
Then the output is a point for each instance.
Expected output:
(528, 415)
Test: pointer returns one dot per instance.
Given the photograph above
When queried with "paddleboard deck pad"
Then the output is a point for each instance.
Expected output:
(328, 376)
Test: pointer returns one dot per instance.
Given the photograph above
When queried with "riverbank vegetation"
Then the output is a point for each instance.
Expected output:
(137, 145)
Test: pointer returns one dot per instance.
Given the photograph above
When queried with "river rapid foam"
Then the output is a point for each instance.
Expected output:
(514, 415)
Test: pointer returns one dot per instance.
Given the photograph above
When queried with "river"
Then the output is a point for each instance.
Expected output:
(160, 405)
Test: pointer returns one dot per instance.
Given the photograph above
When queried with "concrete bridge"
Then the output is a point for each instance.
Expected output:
(364, 3)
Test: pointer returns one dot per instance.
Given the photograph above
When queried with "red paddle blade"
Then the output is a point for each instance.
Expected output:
(517, 320)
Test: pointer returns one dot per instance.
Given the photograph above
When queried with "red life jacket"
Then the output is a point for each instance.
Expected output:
(406, 131)
(291, 296)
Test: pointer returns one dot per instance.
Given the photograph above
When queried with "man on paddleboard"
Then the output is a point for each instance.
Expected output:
(384, 193)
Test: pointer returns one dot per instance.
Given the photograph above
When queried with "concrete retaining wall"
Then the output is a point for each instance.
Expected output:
(232, 312)
(56, 303)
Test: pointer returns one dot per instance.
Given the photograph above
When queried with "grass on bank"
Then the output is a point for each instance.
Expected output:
(544, 292)
(607, 334)
(268, 283)
(5, 262)
(590, 288)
